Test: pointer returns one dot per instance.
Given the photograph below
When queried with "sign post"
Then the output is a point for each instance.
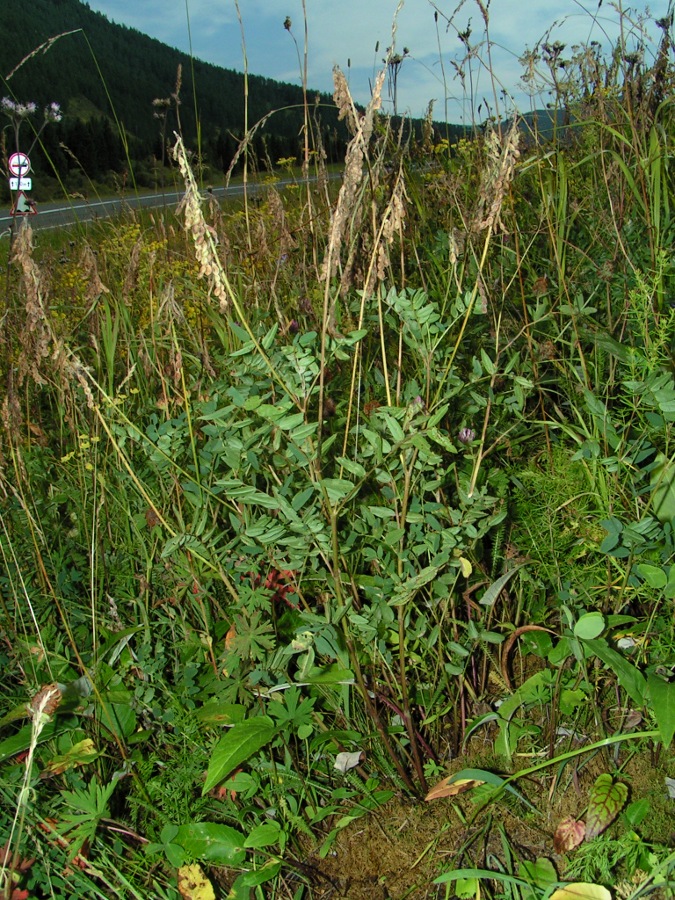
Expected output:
(19, 166)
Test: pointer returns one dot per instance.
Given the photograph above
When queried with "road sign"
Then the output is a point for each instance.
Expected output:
(19, 164)
(21, 184)
(24, 206)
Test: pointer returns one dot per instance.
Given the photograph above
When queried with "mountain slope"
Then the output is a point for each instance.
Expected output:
(111, 71)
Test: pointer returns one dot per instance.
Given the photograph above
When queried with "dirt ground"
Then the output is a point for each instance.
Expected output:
(398, 851)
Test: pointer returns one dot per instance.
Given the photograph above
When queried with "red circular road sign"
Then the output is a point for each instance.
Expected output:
(19, 164)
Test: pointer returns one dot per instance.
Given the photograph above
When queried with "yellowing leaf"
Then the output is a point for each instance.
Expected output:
(193, 883)
(465, 566)
(581, 891)
(79, 755)
(445, 789)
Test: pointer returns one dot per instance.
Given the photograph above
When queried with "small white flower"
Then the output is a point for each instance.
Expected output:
(23, 110)
(53, 113)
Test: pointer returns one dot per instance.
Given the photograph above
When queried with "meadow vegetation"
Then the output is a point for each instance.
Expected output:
(350, 495)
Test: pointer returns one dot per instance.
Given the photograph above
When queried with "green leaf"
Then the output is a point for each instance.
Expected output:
(605, 803)
(631, 679)
(466, 888)
(351, 466)
(403, 592)
(263, 836)
(541, 873)
(653, 575)
(217, 712)
(20, 741)
(219, 844)
(663, 489)
(247, 880)
(589, 626)
(116, 713)
(492, 779)
(487, 874)
(242, 741)
(492, 593)
(337, 489)
(662, 696)
(331, 674)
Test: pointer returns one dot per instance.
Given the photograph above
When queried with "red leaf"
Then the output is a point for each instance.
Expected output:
(568, 835)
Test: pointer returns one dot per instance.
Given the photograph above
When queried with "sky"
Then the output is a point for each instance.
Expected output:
(355, 35)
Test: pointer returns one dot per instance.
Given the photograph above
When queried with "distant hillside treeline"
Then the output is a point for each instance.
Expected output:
(106, 77)
(107, 74)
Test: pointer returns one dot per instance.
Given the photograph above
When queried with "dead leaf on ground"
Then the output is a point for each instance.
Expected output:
(445, 789)
(345, 761)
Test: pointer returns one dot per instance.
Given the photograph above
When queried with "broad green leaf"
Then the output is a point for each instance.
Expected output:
(331, 674)
(116, 713)
(217, 712)
(589, 626)
(292, 421)
(247, 880)
(631, 679)
(662, 696)
(663, 489)
(653, 575)
(605, 803)
(20, 741)
(467, 888)
(351, 466)
(669, 592)
(262, 836)
(213, 842)
(541, 872)
(240, 742)
(581, 891)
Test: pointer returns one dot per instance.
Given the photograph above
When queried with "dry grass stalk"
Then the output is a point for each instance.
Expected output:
(43, 48)
(243, 145)
(392, 224)
(343, 100)
(131, 275)
(95, 287)
(355, 158)
(203, 235)
(37, 339)
(35, 335)
(498, 175)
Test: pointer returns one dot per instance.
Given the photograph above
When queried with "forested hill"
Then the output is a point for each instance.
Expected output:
(104, 74)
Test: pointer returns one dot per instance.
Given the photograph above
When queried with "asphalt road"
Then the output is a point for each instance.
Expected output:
(61, 214)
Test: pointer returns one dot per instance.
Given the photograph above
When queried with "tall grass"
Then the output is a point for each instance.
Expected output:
(313, 468)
